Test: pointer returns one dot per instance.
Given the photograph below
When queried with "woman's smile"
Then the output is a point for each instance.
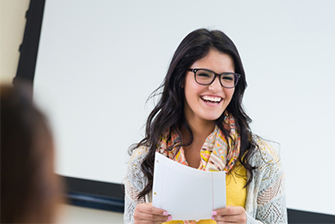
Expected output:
(208, 102)
(211, 100)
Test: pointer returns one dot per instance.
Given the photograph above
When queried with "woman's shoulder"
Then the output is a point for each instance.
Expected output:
(137, 156)
(134, 171)
(268, 164)
(265, 152)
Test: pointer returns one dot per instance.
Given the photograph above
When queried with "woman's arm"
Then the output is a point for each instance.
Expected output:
(138, 210)
(266, 202)
(134, 182)
(271, 204)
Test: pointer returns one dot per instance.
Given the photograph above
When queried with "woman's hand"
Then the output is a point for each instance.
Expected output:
(147, 214)
(230, 214)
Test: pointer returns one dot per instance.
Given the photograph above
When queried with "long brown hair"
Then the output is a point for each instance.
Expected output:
(169, 111)
(30, 190)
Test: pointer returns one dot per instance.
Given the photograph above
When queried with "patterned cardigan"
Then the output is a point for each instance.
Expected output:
(265, 202)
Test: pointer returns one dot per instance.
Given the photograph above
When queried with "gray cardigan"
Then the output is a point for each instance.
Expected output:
(265, 202)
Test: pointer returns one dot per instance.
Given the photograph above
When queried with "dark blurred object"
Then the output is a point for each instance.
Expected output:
(30, 190)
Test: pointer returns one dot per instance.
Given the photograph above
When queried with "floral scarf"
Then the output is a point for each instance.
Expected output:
(217, 153)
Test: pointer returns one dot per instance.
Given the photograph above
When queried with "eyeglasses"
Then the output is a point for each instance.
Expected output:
(206, 77)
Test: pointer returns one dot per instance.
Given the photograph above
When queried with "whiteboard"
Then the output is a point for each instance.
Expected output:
(98, 61)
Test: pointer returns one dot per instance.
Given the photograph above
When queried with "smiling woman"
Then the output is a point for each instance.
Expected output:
(199, 122)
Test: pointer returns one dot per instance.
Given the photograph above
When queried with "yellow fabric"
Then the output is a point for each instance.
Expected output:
(235, 181)
(236, 194)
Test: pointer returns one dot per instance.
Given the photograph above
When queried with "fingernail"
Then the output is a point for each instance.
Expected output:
(213, 217)
(169, 218)
(165, 213)
(214, 213)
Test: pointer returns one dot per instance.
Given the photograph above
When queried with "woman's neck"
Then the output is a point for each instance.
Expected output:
(200, 131)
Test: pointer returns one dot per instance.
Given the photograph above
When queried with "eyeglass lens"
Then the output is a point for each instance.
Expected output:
(206, 77)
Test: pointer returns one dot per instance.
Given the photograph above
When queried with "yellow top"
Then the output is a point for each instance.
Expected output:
(236, 194)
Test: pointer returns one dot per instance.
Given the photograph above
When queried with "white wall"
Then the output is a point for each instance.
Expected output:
(12, 24)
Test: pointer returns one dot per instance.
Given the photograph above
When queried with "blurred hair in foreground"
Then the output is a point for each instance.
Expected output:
(30, 190)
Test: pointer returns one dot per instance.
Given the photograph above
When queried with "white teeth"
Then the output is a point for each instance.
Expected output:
(212, 99)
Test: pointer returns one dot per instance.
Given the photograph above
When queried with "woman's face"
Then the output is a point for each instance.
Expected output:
(207, 103)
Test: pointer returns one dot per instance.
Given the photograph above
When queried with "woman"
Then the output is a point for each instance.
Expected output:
(30, 190)
(199, 121)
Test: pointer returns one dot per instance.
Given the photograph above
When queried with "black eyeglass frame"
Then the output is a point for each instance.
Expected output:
(237, 76)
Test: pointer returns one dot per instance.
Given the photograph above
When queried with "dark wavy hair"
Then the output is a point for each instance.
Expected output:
(169, 111)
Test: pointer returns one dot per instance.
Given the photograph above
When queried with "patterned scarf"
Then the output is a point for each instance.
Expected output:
(217, 153)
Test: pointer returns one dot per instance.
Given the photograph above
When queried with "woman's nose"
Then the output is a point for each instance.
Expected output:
(216, 85)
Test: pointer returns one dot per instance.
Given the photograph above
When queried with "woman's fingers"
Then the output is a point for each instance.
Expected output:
(230, 210)
(146, 213)
(151, 217)
(230, 214)
(230, 219)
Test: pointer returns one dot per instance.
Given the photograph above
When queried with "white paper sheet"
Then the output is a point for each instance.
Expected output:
(187, 193)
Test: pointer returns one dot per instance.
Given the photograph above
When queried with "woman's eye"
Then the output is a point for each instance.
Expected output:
(203, 74)
(228, 78)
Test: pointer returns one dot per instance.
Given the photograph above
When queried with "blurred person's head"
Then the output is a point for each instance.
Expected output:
(30, 190)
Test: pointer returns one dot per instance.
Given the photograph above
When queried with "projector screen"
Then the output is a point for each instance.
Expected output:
(98, 62)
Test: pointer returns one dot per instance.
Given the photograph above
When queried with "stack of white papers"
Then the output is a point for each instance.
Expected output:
(187, 193)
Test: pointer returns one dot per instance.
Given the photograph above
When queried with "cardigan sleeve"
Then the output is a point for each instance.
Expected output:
(266, 201)
(134, 183)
